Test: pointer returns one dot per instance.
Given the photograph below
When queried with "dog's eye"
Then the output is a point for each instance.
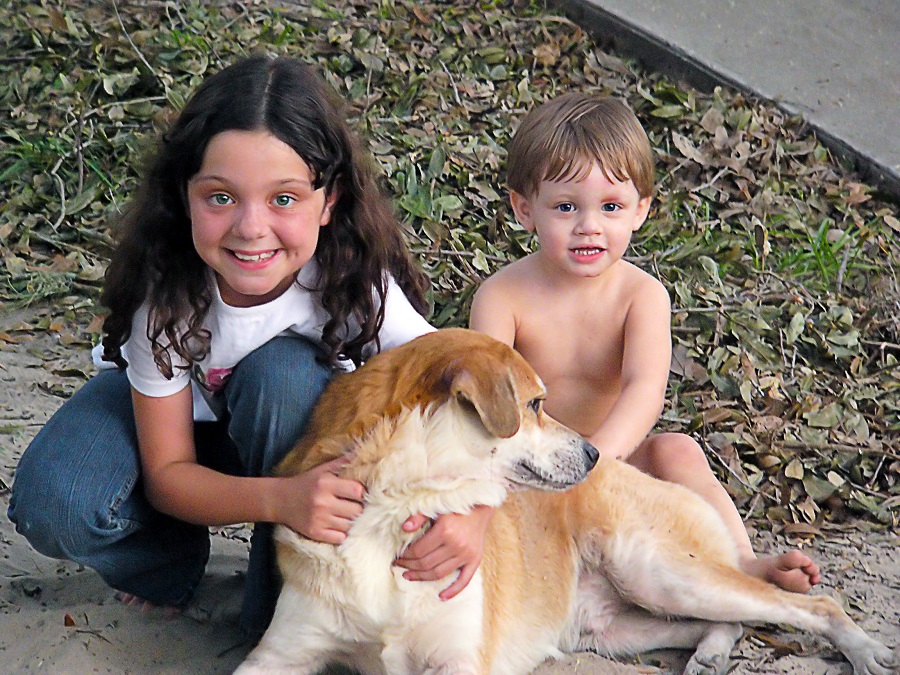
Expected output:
(535, 405)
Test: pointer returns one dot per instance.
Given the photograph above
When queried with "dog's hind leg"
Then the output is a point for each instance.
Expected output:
(631, 630)
(721, 593)
(604, 622)
(817, 614)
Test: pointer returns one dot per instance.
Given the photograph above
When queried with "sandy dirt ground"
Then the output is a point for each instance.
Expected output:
(56, 617)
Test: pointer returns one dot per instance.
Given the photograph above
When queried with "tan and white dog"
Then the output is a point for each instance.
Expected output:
(619, 565)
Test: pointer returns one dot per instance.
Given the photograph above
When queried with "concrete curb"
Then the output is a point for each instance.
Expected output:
(655, 52)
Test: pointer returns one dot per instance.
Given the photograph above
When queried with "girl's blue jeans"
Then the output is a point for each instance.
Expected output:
(77, 491)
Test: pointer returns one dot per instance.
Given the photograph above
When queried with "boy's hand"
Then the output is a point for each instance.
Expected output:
(454, 542)
(321, 505)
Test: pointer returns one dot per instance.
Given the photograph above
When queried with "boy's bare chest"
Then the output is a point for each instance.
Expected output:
(574, 341)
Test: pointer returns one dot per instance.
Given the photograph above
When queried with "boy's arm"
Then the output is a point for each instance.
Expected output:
(491, 313)
(646, 358)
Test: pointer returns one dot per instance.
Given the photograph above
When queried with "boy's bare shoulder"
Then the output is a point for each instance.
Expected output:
(510, 277)
(639, 283)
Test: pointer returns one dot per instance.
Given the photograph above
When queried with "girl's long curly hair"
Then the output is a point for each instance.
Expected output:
(156, 260)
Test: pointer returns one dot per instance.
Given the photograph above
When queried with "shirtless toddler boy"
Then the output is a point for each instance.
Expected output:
(595, 327)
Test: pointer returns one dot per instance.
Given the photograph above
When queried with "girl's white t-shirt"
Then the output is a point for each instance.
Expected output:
(237, 331)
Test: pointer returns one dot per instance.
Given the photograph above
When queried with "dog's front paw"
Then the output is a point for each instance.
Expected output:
(707, 664)
(714, 650)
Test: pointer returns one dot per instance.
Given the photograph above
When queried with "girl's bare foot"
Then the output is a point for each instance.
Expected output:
(793, 571)
(144, 605)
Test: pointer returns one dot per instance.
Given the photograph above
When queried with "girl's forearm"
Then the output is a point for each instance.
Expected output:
(197, 494)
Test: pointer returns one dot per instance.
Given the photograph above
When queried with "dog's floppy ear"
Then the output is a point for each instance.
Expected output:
(494, 398)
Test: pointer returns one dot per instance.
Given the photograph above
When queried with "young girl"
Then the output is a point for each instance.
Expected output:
(257, 258)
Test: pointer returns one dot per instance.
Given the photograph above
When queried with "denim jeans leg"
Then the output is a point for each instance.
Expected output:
(77, 495)
(270, 396)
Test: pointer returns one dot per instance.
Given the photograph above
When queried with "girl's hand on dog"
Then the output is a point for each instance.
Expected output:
(320, 505)
(454, 542)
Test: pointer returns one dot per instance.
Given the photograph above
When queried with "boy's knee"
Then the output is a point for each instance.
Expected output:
(676, 452)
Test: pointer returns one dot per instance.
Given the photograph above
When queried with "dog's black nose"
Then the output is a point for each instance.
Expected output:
(591, 454)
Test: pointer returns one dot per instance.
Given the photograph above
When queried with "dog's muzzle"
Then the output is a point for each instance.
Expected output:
(570, 468)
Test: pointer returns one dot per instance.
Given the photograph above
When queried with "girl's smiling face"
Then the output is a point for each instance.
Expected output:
(255, 216)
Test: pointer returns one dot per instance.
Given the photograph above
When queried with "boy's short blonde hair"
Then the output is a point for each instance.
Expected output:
(562, 138)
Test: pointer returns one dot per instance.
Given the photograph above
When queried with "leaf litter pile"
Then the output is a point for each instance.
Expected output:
(781, 263)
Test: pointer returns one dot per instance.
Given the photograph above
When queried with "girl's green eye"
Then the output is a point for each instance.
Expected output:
(220, 199)
(284, 200)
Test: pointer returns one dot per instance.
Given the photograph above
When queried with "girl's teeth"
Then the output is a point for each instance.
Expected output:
(256, 257)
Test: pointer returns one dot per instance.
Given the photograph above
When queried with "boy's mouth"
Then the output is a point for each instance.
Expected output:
(253, 257)
(588, 250)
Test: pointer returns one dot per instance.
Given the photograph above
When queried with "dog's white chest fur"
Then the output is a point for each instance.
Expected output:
(352, 594)
(354, 600)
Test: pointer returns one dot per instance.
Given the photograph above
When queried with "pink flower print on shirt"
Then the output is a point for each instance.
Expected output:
(213, 379)
(216, 378)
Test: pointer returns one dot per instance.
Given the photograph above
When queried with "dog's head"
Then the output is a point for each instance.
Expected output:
(500, 397)
(479, 406)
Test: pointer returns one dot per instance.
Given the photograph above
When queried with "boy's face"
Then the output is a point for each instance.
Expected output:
(584, 226)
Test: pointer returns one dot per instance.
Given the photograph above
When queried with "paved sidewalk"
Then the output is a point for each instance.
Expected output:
(836, 62)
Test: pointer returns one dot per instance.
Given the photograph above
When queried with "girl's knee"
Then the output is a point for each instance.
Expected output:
(68, 488)
(270, 397)
(283, 369)
(52, 515)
